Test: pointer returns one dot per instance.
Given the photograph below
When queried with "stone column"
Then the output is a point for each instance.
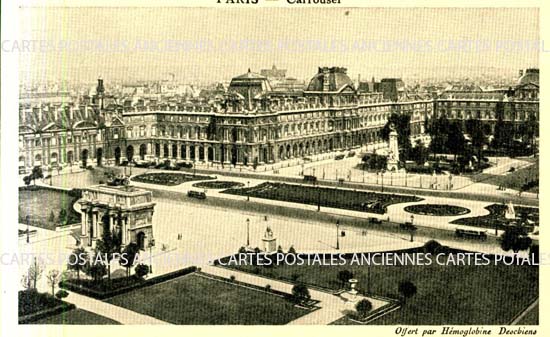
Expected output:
(95, 223)
(85, 219)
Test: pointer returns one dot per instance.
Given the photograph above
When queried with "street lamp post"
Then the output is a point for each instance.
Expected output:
(338, 234)
(247, 232)
(151, 245)
(318, 197)
(27, 219)
(412, 228)
(382, 177)
(248, 191)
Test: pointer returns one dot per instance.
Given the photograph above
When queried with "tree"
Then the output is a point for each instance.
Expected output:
(61, 294)
(300, 293)
(78, 261)
(455, 139)
(344, 276)
(53, 277)
(477, 133)
(26, 282)
(27, 180)
(51, 218)
(36, 173)
(291, 250)
(129, 255)
(419, 153)
(438, 130)
(431, 247)
(35, 272)
(141, 270)
(515, 238)
(109, 244)
(407, 289)
(62, 217)
(96, 269)
(363, 307)
(402, 124)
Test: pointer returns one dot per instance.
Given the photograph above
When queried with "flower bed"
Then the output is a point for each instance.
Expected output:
(169, 179)
(219, 184)
(34, 305)
(496, 219)
(437, 210)
(108, 288)
(371, 202)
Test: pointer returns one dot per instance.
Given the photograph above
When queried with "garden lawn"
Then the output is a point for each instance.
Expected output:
(76, 316)
(168, 179)
(526, 179)
(195, 299)
(496, 217)
(328, 197)
(39, 203)
(531, 318)
(470, 295)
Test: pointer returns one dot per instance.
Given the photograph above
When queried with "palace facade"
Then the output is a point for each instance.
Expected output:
(250, 123)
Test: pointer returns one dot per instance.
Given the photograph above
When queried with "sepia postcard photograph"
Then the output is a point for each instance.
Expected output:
(271, 163)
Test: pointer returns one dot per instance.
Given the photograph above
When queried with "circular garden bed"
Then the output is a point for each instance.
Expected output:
(437, 210)
(168, 179)
(218, 184)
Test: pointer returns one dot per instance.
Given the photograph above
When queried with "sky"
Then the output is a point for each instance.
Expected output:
(81, 44)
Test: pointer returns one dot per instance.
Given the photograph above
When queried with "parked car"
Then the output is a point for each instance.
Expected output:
(339, 156)
(310, 178)
(376, 221)
(471, 234)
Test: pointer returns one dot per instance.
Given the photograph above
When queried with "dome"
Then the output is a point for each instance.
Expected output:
(530, 76)
(250, 80)
(330, 79)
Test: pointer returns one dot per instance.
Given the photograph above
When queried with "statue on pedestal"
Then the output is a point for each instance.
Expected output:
(510, 213)
(393, 156)
(269, 240)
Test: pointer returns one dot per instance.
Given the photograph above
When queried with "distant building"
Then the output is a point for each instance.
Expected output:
(274, 74)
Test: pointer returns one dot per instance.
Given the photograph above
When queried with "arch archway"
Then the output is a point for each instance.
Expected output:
(84, 157)
(142, 151)
(174, 151)
(140, 240)
(210, 154)
(165, 148)
(129, 153)
(99, 156)
(38, 160)
(117, 155)
(70, 157)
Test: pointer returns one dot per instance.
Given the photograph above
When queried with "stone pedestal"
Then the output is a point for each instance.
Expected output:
(269, 241)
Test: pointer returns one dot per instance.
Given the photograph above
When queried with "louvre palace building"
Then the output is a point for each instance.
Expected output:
(251, 122)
